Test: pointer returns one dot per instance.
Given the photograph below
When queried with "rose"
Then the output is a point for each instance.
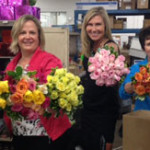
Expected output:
(140, 90)
(138, 77)
(22, 86)
(62, 103)
(16, 98)
(4, 87)
(39, 97)
(54, 94)
(143, 70)
(60, 86)
(28, 96)
(17, 107)
(2, 103)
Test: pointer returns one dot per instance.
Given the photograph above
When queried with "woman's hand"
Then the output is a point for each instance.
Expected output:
(129, 88)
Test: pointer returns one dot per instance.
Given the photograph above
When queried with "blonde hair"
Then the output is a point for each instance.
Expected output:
(87, 43)
(17, 27)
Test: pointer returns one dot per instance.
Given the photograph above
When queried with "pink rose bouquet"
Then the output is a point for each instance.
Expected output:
(107, 67)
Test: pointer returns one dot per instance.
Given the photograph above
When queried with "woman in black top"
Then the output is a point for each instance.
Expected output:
(101, 105)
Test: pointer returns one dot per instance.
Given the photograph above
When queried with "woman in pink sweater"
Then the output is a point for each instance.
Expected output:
(28, 43)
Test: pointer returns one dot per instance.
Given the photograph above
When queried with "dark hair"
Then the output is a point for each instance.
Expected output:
(143, 36)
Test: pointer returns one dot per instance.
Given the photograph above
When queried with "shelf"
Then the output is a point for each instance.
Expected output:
(126, 31)
(112, 12)
(6, 23)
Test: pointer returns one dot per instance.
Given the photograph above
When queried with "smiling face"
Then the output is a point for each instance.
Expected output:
(96, 28)
(147, 47)
(28, 38)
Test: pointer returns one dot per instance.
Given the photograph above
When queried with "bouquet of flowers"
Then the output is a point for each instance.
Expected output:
(141, 82)
(65, 92)
(23, 96)
(107, 67)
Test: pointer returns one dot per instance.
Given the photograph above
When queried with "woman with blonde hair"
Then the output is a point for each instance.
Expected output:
(101, 104)
(28, 44)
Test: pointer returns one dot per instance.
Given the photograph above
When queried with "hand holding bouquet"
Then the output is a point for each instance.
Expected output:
(107, 67)
(141, 82)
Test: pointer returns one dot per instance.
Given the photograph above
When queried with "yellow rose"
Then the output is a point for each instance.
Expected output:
(28, 97)
(4, 88)
(73, 96)
(39, 97)
(62, 103)
(62, 95)
(60, 72)
(50, 85)
(49, 78)
(55, 79)
(70, 76)
(77, 79)
(54, 95)
(64, 79)
(2, 103)
(69, 107)
(67, 90)
(60, 86)
(75, 102)
(72, 85)
(80, 89)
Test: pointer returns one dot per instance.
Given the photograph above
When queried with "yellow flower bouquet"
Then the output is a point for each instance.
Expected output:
(65, 92)
(23, 96)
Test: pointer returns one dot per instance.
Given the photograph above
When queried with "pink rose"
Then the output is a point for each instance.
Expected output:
(91, 68)
(17, 107)
(121, 58)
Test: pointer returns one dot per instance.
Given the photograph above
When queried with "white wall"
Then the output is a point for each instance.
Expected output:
(59, 5)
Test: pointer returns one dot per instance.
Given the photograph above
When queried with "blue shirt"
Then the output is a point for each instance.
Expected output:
(139, 105)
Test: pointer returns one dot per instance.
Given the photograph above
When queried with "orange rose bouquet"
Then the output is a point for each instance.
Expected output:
(21, 95)
(141, 82)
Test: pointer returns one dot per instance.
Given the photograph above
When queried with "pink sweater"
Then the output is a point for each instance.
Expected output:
(43, 62)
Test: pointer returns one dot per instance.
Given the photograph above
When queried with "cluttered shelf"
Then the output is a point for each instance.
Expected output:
(79, 15)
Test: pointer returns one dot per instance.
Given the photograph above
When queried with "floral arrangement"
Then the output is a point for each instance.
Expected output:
(65, 92)
(22, 96)
(107, 67)
(141, 82)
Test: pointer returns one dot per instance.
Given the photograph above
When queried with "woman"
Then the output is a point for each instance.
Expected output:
(101, 105)
(28, 43)
(126, 90)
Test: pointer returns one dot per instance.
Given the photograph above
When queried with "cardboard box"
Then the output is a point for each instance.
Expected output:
(146, 23)
(136, 130)
(142, 4)
(111, 20)
(118, 24)
(128, 4)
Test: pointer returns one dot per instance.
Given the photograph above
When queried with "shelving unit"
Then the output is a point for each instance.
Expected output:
(5, 25)
(145, 12)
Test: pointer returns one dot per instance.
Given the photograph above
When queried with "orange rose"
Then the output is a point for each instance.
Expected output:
(16, 98)
(143, 70)
(22, 86)
(138, 77)
(140, 90)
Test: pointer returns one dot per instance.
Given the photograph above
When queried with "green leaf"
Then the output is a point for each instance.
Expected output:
(31, 74)
(11, 74)
(19, 71)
